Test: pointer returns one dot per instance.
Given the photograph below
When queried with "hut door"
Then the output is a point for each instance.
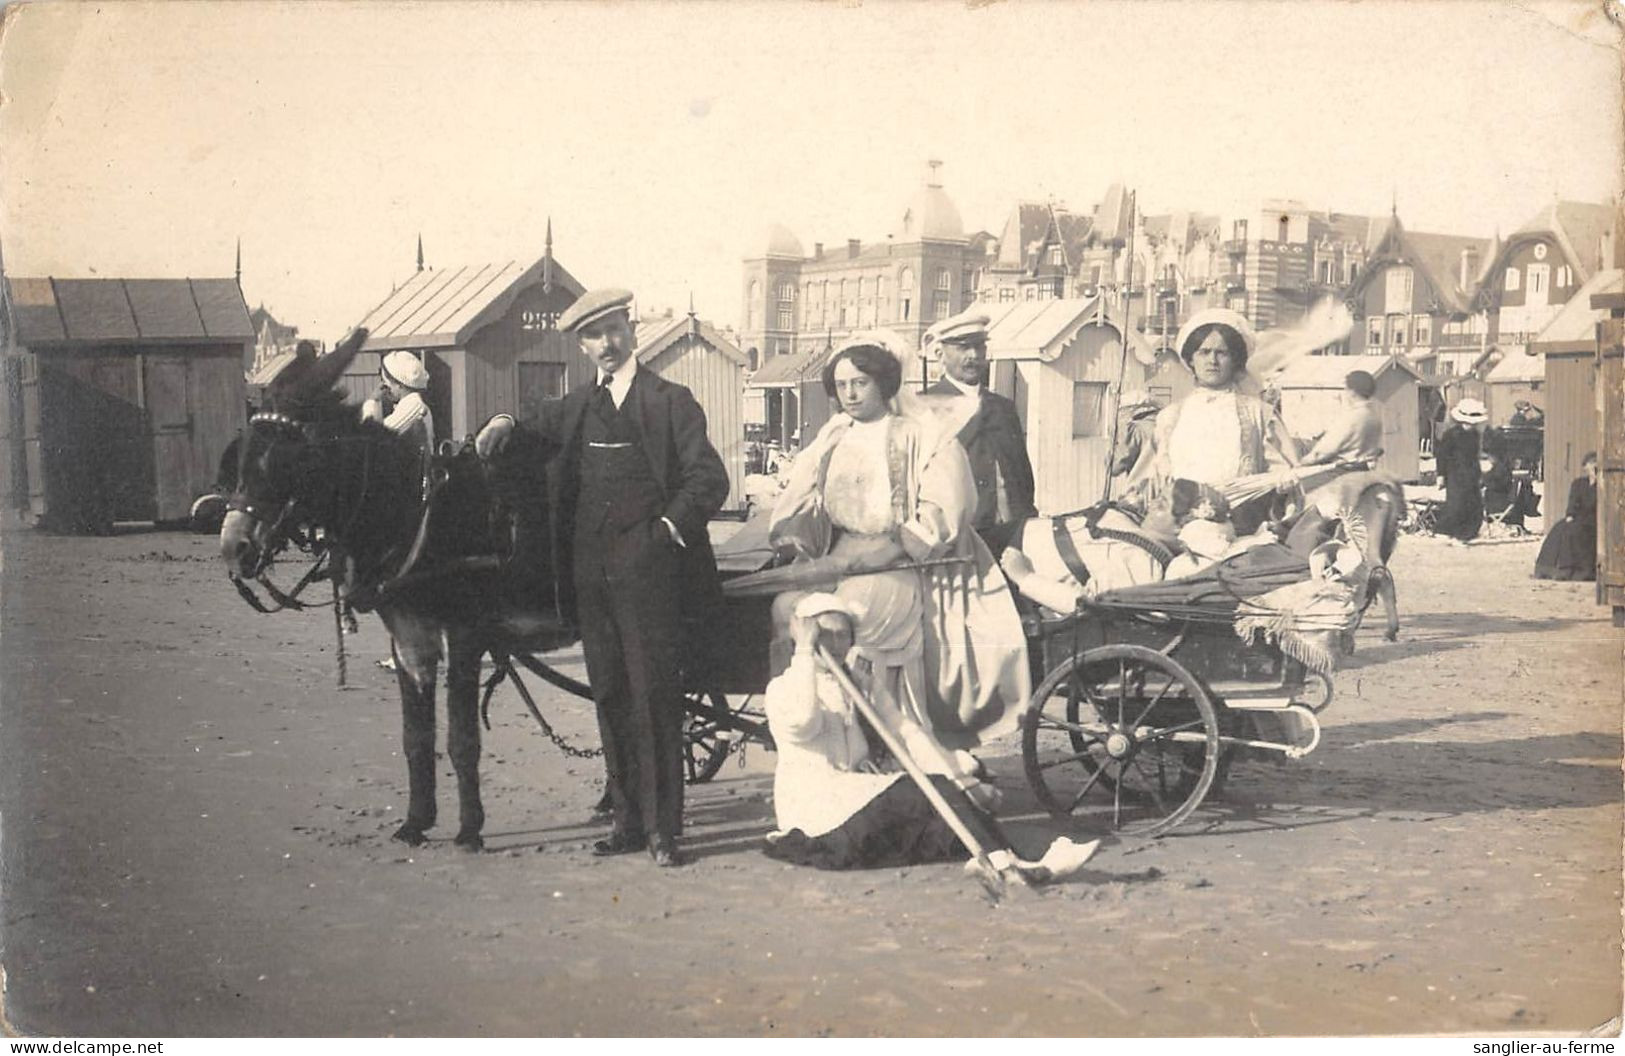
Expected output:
(1611, 469)
(169, 422)
(101, 471)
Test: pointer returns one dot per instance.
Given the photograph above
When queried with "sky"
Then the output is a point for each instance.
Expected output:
(144, 139)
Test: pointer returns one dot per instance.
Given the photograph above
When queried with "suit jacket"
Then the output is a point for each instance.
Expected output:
(671, 432)
(997, 448)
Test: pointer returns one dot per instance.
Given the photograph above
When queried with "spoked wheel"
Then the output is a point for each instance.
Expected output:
(704, 749)
(1122, 733)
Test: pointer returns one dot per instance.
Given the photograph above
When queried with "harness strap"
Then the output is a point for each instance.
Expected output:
(1069, 552)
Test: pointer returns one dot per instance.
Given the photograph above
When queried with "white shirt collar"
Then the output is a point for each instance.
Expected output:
(968, 390)
(620, 382)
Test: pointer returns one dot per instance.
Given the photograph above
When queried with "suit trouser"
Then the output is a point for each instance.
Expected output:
(627, 601)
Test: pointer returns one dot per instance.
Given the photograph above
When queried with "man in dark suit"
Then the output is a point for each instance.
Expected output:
(993, 438)
(630, 492)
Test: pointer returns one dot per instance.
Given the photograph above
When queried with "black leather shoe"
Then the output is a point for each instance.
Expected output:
(619, 843)
(667, 856)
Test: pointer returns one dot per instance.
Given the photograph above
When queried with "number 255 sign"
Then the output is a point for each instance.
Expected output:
(537, 319)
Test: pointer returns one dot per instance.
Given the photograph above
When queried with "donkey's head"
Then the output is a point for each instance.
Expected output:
(277, 465)
(279, 462)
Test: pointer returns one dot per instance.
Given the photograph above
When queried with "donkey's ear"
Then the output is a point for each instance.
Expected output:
(327, 370)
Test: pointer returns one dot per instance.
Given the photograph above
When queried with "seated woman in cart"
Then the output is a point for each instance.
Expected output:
(1220, 431)
(878, 509)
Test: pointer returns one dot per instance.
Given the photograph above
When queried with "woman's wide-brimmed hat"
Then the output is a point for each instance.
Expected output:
(1225, 317)
(403, 368)
(1470, 412)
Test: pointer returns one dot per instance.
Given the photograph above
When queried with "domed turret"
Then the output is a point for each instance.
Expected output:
(932, 214)
(782, 242)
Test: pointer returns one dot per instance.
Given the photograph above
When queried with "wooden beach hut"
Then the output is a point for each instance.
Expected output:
(1567, 350)
(487, 334)
(795, 405)
(1064, 364)
(687, 350)
(1312, 395)
(120, 395)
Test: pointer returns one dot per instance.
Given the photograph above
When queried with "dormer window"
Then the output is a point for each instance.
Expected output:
(1512, 279)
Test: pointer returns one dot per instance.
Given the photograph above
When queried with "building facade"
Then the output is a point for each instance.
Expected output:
(1418, 298)
(1542, 264)
(271, 339)
(926, 271)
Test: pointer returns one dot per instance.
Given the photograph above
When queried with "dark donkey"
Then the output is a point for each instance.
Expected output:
(312, 470)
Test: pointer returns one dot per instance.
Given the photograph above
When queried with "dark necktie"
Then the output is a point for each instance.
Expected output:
(603, 402)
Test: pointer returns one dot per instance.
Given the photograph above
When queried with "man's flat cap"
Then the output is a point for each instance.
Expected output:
(963, 329)
(592, 305)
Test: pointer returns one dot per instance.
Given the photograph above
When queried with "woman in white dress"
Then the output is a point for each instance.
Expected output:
(939, 640)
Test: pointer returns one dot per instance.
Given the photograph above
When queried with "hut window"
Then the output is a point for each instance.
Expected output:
(1006, 294)
(1088, 398)
(941, 307)
(944, 280)
(1512, 278)
(1423, 330)
(1373, 332)
(1562, 279)
(539, 382)
(1055, 256)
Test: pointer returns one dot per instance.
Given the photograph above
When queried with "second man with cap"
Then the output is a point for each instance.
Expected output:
(993, 437)
(631, 490)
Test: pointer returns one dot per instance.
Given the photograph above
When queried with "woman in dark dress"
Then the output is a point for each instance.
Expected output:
(1456, 454)
(1570, 549)
(1502, 501)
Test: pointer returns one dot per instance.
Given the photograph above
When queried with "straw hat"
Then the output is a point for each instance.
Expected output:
(405, 369)
(1470, 412)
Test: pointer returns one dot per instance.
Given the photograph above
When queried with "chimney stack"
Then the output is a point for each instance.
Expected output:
(852, 247)
(818, 251)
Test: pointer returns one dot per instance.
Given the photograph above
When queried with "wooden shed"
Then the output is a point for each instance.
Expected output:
(1567, 349)
(120, 395)
(691, 352)
(1312, 395)
(1063, 363)
(487, 334)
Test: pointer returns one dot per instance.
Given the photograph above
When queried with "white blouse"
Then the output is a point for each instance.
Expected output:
(1205, 445)
(857, 484)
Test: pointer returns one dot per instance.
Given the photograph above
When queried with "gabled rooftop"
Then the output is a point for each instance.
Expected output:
(443, 307)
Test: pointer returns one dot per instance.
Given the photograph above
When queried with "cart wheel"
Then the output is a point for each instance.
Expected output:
(1130, 723)
(704, 750)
